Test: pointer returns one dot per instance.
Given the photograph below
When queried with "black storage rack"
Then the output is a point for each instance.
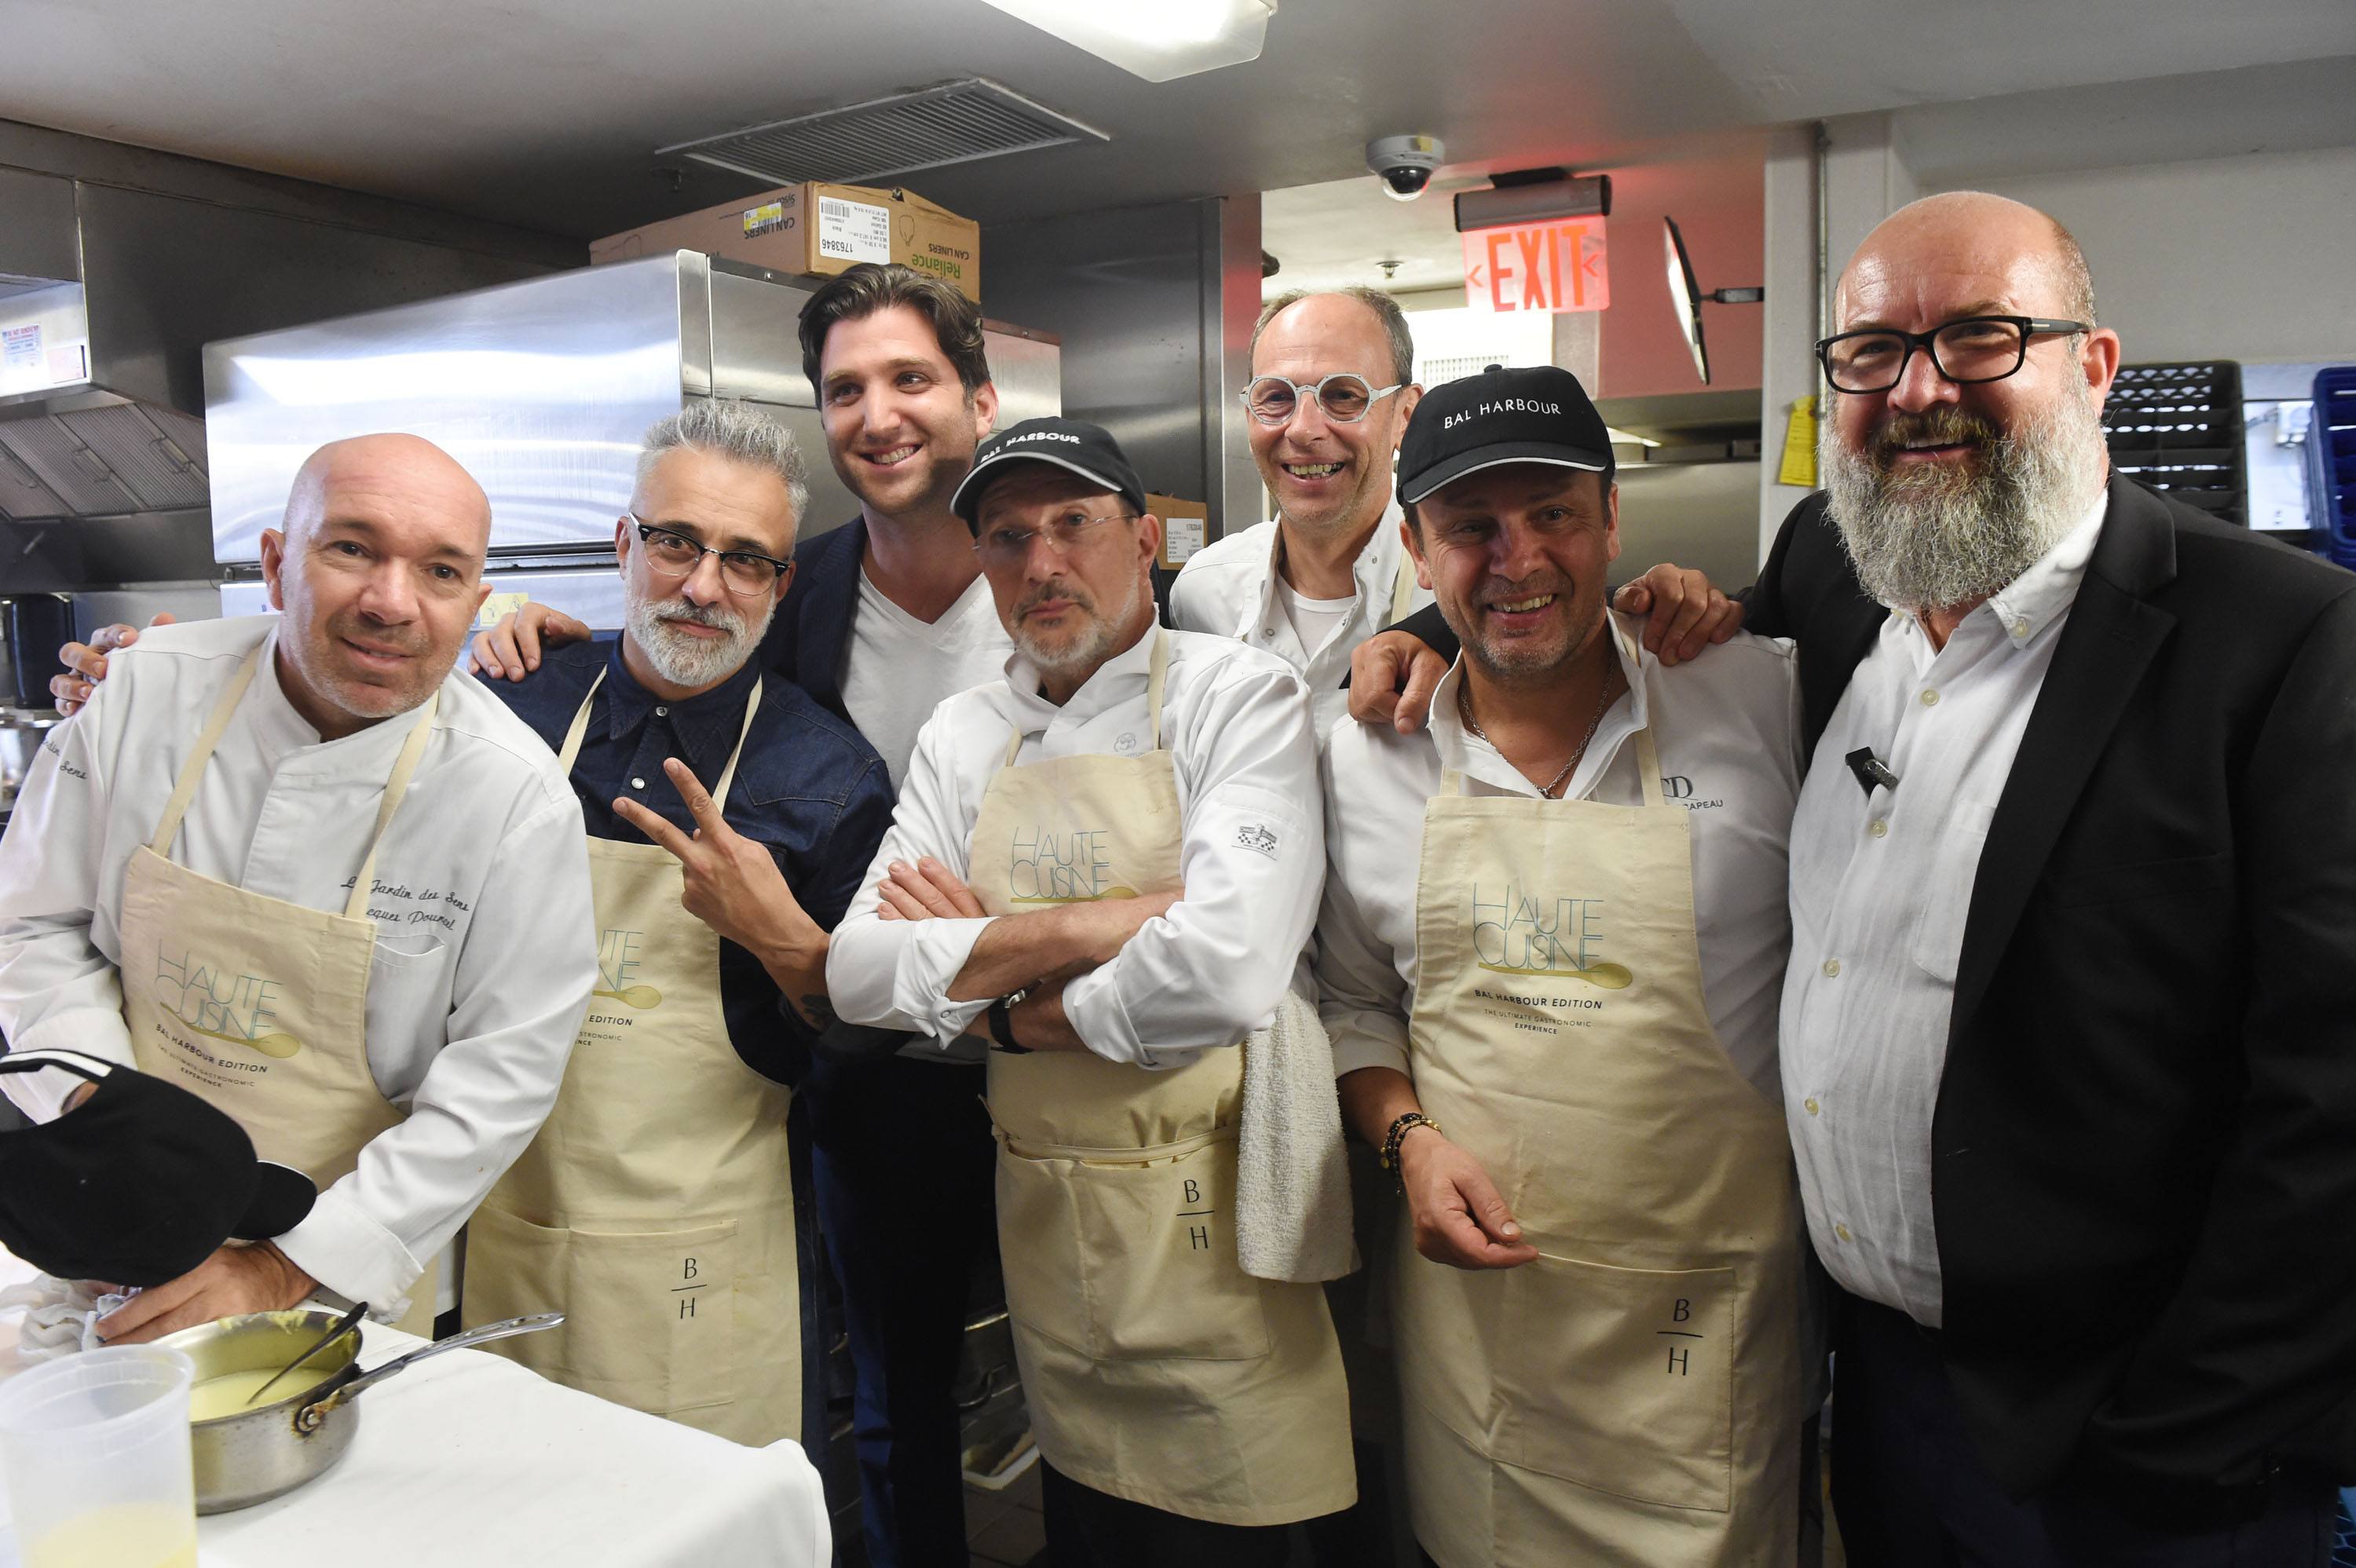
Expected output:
(2177, 428)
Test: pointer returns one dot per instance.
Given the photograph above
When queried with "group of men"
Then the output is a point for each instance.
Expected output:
(1983, 946)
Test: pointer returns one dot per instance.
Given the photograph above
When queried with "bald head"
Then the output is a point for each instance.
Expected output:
(1943, 238)
(408, 473)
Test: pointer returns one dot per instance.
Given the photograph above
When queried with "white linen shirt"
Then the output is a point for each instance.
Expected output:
(1203, 976)
(1229, 589)
(1726, 727)
(1880, 886)
(486, 941)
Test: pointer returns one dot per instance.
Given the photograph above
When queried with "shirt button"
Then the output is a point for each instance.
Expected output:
(1930, 699)
(1842, 1232)
(637, 784)
(660, 712)
(1813, 1109)
(1832, 967)
(1268, 634)
(1880, 827)
(2018, 628)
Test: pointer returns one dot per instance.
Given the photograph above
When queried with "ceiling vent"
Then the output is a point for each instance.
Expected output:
(950, 123)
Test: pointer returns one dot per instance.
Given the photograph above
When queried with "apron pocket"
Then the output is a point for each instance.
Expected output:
(1620, 1378)
(650, 1315)
(1130, 1261)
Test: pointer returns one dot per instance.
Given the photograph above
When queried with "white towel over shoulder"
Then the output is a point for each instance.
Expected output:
(1292, 1182)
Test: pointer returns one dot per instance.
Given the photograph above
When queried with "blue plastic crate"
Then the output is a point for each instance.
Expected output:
(2332, 461)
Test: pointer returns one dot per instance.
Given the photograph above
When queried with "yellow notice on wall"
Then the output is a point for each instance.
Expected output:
(1799, 465)
(498, 605)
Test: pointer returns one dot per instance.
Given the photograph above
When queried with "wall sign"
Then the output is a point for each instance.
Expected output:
(1557, 266)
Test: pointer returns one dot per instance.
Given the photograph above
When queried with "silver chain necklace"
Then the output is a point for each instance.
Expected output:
(1464, 711)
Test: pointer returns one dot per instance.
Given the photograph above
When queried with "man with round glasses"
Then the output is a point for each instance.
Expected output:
(729, 819)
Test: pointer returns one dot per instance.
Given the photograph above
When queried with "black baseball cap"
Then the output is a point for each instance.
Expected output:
(1536, 415)
(137, 1185)
(1088, 449)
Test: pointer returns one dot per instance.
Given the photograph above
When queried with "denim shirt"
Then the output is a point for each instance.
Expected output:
(807, 788)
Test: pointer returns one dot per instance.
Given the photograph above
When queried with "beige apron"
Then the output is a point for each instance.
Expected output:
(1155, 1369)
(656, 1208)
(257, 1005)
(1633, 1395)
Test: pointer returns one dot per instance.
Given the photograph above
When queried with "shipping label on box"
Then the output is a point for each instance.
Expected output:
(1185, 527)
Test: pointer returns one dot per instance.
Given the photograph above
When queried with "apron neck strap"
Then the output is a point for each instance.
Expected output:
(570, 752)
(1402, 585)
(1648, 767)
(192, 771)
(395, 787)
(1155, 678)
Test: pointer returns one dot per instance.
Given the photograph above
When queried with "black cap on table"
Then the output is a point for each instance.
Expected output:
(1537, 415)
(1084, 449)
(138, 1184)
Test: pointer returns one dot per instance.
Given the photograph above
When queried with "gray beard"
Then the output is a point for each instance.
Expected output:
(689, 661)
(1938, 541)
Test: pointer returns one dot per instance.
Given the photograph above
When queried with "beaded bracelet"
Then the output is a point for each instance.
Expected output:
(1397, 1136)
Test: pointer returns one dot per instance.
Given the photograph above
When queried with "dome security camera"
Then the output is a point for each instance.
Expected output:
(1403, 163)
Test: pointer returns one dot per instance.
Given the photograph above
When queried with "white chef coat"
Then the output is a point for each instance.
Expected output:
(1881, 885)
(898, 668)
(1726, 727)
(1205, 975)
(469, 1036)
(1229, 589)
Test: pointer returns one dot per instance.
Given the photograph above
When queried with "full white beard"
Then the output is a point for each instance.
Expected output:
(685, 660)
(1955, 539)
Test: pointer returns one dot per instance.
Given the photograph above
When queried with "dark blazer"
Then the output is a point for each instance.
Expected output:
(811, 630)
(2144, 1154)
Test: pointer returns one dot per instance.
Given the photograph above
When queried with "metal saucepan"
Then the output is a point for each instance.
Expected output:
(256, 1454)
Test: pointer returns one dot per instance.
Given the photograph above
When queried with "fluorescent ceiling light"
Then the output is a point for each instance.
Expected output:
(1157, 39)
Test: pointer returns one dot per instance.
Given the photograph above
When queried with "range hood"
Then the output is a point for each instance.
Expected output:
(87, 426)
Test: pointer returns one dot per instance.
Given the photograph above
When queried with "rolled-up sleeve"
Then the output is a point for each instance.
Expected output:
(1212, 969)
(522, 985)
(1361, 1000)
(58, 989)
(895, 974)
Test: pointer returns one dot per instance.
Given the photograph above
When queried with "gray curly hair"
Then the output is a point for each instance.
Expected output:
(734, 430)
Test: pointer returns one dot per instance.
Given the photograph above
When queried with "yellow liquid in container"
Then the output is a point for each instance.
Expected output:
(131, 1535)
(227, 1394)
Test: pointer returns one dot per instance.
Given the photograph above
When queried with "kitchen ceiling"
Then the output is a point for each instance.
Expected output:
(545, 112)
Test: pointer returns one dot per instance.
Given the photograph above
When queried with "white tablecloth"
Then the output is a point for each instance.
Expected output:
(468, 1459)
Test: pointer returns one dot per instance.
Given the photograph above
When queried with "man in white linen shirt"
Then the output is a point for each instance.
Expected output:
(1113, 854)
(361, 1034)
(1557, 1021)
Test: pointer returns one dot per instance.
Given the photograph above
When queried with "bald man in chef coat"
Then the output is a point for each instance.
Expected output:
(256, 865)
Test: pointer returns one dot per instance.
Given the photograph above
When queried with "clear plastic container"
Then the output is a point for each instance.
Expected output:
(94, 1453)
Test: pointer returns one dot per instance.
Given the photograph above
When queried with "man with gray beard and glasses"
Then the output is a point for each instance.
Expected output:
(729, 819)
(2069, 1032)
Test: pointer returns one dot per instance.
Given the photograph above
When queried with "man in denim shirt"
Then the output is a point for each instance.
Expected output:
(706, 555)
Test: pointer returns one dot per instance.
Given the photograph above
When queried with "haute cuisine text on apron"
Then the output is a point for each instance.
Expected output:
(656, 1207)
(257, 1005)
(1155, 1369)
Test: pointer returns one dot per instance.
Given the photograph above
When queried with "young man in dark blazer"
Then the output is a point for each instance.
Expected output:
(2070, 1028)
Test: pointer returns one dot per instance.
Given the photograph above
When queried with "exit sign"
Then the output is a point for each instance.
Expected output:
(1555, 266)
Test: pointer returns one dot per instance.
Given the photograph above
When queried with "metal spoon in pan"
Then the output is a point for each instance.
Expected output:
(343, 1326)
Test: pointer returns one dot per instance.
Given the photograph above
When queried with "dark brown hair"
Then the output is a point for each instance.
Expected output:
(869, 287)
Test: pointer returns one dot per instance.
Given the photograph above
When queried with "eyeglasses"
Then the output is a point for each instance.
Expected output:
(1973, 349)
(743, 572)
(1004, 547)
(1342, 397)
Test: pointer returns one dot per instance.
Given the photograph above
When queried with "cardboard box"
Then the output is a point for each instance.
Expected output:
(817, 229)
(1185, 527)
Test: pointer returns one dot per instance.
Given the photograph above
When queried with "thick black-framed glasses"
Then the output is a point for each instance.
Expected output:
(744, 572)
(1342, 397)
(1971, 349)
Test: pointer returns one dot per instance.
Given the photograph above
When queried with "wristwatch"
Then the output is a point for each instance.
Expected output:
(1001, 1027)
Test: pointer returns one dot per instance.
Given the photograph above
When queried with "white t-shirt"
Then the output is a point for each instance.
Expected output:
(900, 669)
(1314, 620)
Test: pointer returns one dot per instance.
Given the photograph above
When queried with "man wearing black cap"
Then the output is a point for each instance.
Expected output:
(1106, 866)
(1558, 1022)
